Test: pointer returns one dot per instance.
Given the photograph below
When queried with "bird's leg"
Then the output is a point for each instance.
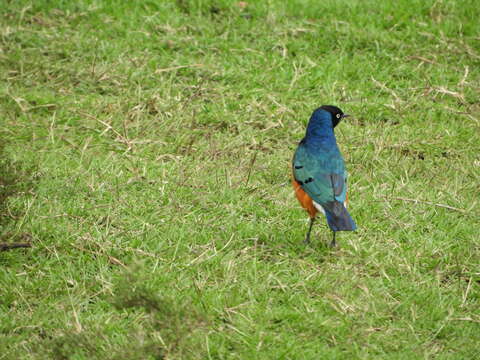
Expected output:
(333, 244)
(307, 239)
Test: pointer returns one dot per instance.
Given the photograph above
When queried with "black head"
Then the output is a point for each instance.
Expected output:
(337, 114)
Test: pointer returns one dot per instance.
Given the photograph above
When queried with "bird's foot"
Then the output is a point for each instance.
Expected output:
(307, 240)
(333, 244)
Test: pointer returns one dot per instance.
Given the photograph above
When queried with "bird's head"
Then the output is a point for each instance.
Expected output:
(336, 113)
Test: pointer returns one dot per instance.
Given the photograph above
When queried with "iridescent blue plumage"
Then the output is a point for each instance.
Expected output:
(319, 168)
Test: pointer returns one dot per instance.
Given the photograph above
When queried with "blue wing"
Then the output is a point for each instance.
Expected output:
(322, 175)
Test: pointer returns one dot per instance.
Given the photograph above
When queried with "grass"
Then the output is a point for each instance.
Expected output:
(145, 155)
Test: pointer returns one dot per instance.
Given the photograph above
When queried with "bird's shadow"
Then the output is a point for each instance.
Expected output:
(317, 246)
(317, 250)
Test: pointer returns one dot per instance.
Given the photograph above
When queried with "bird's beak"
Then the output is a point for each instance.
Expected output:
(345, 115)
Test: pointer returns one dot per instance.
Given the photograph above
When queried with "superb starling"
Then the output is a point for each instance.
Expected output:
(319, 175)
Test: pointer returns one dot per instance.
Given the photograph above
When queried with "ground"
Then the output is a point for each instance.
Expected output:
(145, 156)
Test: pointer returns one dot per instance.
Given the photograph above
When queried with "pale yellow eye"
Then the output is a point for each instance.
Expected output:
(338, 116)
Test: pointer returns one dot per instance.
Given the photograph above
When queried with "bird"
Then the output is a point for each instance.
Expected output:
(319, 175)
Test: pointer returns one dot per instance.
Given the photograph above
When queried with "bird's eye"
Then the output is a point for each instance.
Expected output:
(338, 116)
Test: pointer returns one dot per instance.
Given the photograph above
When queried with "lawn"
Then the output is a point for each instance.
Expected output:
(145, 152)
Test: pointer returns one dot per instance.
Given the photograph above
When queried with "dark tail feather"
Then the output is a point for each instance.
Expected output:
(338, 217)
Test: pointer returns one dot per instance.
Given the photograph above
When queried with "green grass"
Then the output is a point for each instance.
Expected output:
(145, 150)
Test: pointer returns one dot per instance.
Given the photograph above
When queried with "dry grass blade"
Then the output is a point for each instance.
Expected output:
(173, 68)
(430, 203)
(10, 246)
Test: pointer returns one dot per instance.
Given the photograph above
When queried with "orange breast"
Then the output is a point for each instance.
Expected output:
(304, 199)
